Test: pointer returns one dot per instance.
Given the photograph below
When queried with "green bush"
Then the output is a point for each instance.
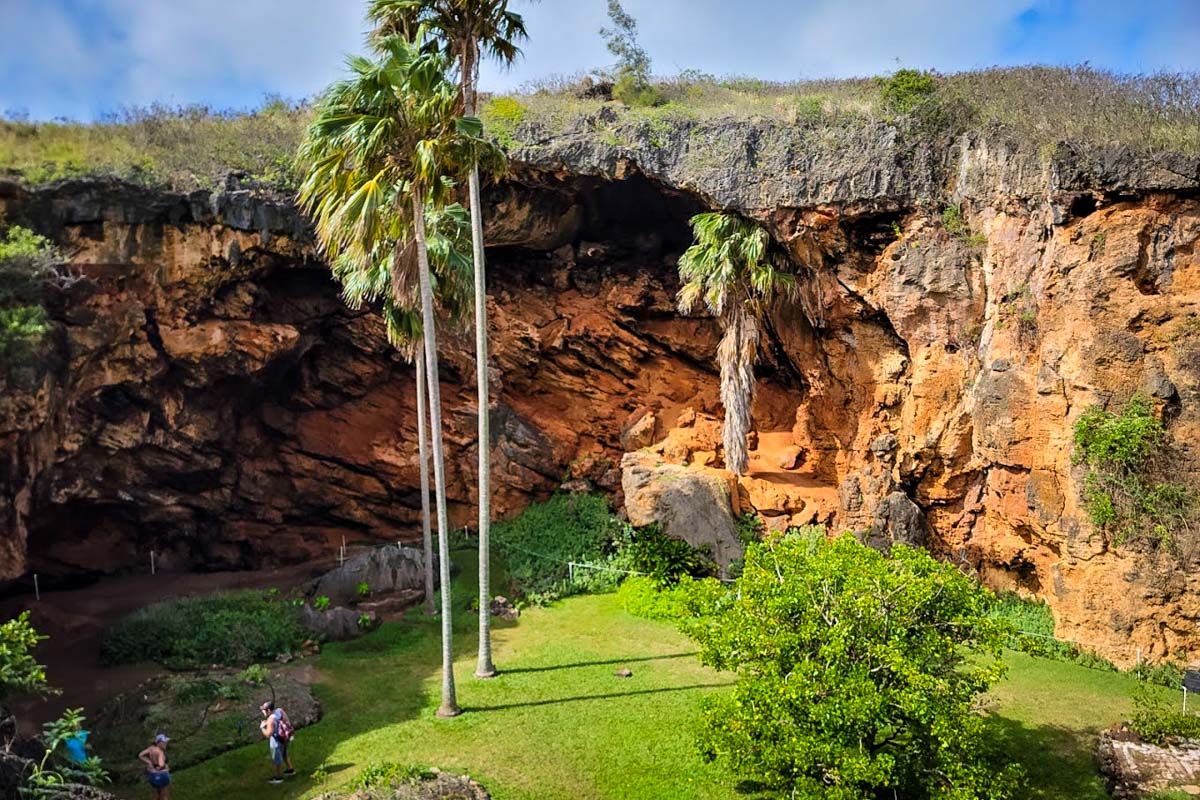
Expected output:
(645, 597)
(228, 629)
(1128, 491)
(665, 559)
(1158, 720)
(536, 546)
(858, 673)
(29, 265)
(637, 92)
(501, 117)
(908, 89)
(19, 671)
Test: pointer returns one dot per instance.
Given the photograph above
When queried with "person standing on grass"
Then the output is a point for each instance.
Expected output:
(277, 729)
(157, 772)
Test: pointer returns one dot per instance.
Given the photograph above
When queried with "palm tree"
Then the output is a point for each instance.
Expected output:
(736, 272)
(368, 281)
(468, 28)
(385, 139)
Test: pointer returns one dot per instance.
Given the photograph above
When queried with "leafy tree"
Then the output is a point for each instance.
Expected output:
(632, 79)
(857, 673)
(733, 269)
(908, 89)
(466, 30)
(19, 671)
(388, 138)
(29, 265)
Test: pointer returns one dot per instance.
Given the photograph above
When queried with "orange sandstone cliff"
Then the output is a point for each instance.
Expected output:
(206, 394)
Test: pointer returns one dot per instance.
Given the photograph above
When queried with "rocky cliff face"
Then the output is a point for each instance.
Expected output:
(207, 395)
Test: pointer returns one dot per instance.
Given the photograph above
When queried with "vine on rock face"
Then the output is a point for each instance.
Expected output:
(1127, 491)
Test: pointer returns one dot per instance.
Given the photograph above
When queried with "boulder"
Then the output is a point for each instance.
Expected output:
(391, 568)
(335, 624)
(897, 519)
(691, 504)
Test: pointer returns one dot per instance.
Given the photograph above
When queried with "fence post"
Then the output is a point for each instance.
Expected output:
(151, 562)
(37, 591)
(571, 570)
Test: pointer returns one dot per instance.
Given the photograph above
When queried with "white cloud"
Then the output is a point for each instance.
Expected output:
(80, 57)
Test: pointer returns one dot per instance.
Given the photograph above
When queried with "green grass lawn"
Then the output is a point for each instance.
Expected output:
(558, 724)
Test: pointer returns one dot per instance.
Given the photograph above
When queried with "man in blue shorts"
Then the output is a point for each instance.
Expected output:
(157, 772)
(277, 729)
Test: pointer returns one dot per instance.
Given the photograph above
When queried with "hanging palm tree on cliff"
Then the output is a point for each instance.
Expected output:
(468, 29)
(389, 274)
(385, 140)
(734, 271)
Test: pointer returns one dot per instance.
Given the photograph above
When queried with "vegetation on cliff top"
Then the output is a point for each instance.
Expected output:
(195, 147)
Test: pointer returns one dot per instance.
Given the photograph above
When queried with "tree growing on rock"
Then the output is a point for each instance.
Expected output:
(468, 29)
(736, 273)
(385, 143)
(858, 673)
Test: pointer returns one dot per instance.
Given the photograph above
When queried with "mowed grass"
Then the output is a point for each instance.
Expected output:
(558, 724)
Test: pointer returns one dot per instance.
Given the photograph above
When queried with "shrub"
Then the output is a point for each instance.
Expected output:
(19, 671)
(665, 559)
(29, 266)
(501, 117)
(858, 673)
(537, 545)
(321, 603)
(1127, 490)
(47, 776)
(255, 674)
(363, 589)
(908, 89)
(644, 597)
(1158, 720)
(229, 629)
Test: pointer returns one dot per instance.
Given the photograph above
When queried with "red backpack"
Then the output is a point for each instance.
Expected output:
(283, 729)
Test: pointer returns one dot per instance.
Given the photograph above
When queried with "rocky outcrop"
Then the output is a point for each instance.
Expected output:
(384, 570)
(207, 395)
(690, 504)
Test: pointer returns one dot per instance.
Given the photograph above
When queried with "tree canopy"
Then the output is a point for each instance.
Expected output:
(858, 673)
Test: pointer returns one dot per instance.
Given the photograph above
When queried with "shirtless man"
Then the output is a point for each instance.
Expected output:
(157, 772)
(279, 746)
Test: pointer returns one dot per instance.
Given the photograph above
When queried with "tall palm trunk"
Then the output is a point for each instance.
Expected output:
(735, 354)
(449, 706)
(484, 668)
(423, 451)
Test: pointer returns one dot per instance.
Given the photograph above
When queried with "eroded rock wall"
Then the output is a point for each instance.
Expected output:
(208, 395)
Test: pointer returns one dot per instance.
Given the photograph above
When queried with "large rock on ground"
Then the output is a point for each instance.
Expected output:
(690, 503)
(388, 569)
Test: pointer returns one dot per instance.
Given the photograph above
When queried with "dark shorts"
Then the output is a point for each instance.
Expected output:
(159, 780)
(278, 751)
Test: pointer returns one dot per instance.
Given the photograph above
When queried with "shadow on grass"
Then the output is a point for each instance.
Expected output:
(608, 662)
(1059, 762)
(606, 696)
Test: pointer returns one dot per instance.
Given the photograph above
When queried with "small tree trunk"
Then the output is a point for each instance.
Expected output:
(449, 706)
(423, 450)
(735, 355)
(484, 668)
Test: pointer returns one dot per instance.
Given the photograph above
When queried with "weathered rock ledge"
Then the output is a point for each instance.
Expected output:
(207, 395)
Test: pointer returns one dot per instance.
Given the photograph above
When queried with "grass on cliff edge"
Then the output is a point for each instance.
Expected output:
(195, 147)
(558, 724)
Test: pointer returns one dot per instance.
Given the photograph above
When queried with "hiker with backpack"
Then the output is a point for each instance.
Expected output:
(278, 730)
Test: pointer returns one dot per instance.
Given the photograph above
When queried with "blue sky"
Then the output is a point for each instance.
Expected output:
(82, 58)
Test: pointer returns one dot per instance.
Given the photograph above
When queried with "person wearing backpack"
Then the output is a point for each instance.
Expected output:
(278, 730)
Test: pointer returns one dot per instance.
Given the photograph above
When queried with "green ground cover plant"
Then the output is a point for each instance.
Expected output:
(231, 629)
